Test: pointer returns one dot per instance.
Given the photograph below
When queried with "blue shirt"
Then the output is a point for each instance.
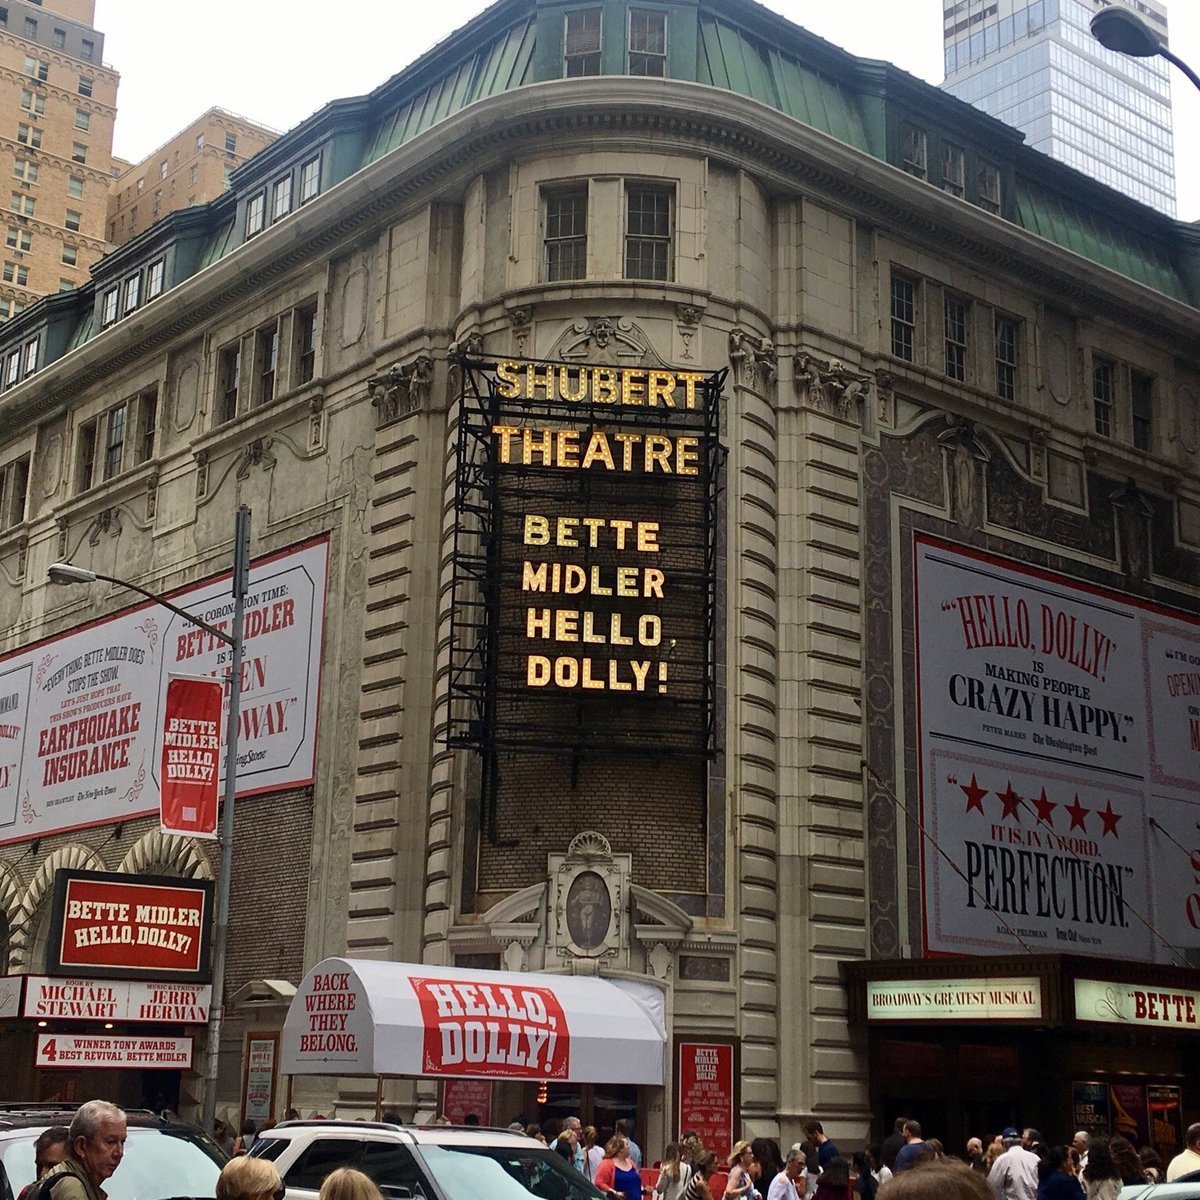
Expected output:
(908, 1154)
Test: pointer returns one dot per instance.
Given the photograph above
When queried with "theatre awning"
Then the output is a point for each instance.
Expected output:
(362, 1017)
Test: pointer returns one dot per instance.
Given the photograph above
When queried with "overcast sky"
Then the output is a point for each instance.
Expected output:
(276, 61)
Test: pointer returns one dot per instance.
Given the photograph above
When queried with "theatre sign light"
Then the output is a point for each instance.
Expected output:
(586, 550)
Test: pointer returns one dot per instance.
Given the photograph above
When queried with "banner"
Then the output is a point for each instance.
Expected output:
(82, 715)
(1090, 1107)
(52, 998)
(706, 1094)
(1017, 998)
(107, 924)
(463, 1098)
(1128, 1113)
(1059, 730)
(78, 1051)
(191, 758)
(1165, 1103)
(496, 1032)
(1129, 1004)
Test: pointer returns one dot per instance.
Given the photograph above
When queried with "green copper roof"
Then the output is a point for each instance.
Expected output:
(732, 60)
(494, 67)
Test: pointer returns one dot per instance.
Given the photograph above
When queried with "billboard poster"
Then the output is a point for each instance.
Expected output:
(1059, 729)
(191, 761)
(705, 1094)
(1089, 1100)
(463, 1098)
(262, 1053)
(1128, 1114)
(109, 924)
(82, 715)
(1165, 1105)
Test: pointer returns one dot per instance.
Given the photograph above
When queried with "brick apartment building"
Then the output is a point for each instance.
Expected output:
(732, 497)
(59, 103)
(193, 167)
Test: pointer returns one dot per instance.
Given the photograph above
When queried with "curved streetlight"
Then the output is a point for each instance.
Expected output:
(68, 573)
(1121, 30)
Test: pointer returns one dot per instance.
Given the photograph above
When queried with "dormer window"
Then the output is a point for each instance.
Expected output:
(647, 43)
(581, 43)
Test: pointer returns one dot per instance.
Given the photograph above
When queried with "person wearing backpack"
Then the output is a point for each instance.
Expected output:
(95, 1144)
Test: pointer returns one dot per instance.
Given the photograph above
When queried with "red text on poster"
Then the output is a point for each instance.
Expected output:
(149, 1054)
(191, 757)
(462, 1098)
(482, 1030)
(706, 1097)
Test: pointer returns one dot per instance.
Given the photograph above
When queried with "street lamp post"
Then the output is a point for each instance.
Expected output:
(68, 573)
(1121, 30)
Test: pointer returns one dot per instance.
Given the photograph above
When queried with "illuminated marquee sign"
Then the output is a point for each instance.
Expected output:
(1137, 1004)
(1016, 998)
(585, 559)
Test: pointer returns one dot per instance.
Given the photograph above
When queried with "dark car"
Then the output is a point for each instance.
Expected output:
(164, 1157)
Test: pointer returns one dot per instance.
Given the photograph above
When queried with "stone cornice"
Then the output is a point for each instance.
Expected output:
(638, 113)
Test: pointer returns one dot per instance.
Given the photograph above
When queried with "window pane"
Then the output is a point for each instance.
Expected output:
(581, 42)
(903, 317)
(566, 235)
(956, 338)
(1006, 358)
(1103, 380)
(648, 233)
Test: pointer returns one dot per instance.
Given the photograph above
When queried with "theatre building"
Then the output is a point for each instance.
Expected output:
(725, 549)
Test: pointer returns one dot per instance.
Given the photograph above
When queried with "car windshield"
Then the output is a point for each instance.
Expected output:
(504, 1173)
(158, 1163)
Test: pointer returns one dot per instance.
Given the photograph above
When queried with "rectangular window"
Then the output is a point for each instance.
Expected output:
(310, 179)
(956, 338)
(147, 418)
(34, 104)
(75, 187)
(193, 173)
(83, 120)
(66, 285)
(30, 27)
(114, 441)
(904, 317)
(281, 197)
(230, 143)
(5, 309)
(85, 463)
(256, 208)
(31, 135)
(581, 43)
(1006, 358)
(163, 168)
(566, 234)
(131, 293)
(953, 170)
(109, 307)
(647, 43)
(60, 39)
(70, 256)
(156, 275)
(85, 85)
(229, 378)
(266, 350)
(988, 182)
(16, 274)
(912, 149)
(18, 239)
(12, 368)
(14, 492)
(1104, 374)
(648, 233)
(20, 203)
(1141, 408)
(30, 66)
(78, 152)
(28, 171)
(73, 219)
(306, 344)
(87, 49)
(199, 141)
(29, 362)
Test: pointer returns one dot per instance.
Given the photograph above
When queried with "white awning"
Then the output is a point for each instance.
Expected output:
(362, 1017)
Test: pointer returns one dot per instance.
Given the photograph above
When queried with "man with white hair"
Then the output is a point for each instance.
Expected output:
(1014, 1174)
(790, 1183)
(1081, 1142)
(95, 1145)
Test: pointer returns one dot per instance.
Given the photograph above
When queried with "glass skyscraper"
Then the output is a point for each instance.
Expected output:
(1035, 65)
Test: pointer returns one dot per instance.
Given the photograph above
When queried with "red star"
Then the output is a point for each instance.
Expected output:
(1044, 809)
(974, 794)
(1078, 812)
(1011, 802)
(1109, 819)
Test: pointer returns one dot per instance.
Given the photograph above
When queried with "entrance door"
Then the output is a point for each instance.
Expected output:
(599, 1104)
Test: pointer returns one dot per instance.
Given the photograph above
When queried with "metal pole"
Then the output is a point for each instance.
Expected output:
(216, 1012)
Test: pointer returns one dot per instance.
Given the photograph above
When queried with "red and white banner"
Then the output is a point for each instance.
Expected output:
(463, 1098)
(191, 756)
(82, 715)
(479, 1029)
(51, 998)
(705, 1097)
(1059, 730)
(123, 925)
(80, 1050)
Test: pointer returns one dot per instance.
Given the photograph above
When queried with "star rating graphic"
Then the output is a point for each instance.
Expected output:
(1041, 807)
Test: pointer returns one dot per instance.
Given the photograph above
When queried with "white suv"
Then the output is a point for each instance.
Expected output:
(432, 1162)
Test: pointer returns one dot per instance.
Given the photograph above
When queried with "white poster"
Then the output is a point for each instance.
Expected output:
(1060, 763)
(81, 715)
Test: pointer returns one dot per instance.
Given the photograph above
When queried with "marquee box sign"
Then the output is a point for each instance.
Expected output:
(166, 1002)
(1154, 1007)
(79, 1051)
(108, 925)
(1001, 999)
(82, 716)
(1059, 735)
